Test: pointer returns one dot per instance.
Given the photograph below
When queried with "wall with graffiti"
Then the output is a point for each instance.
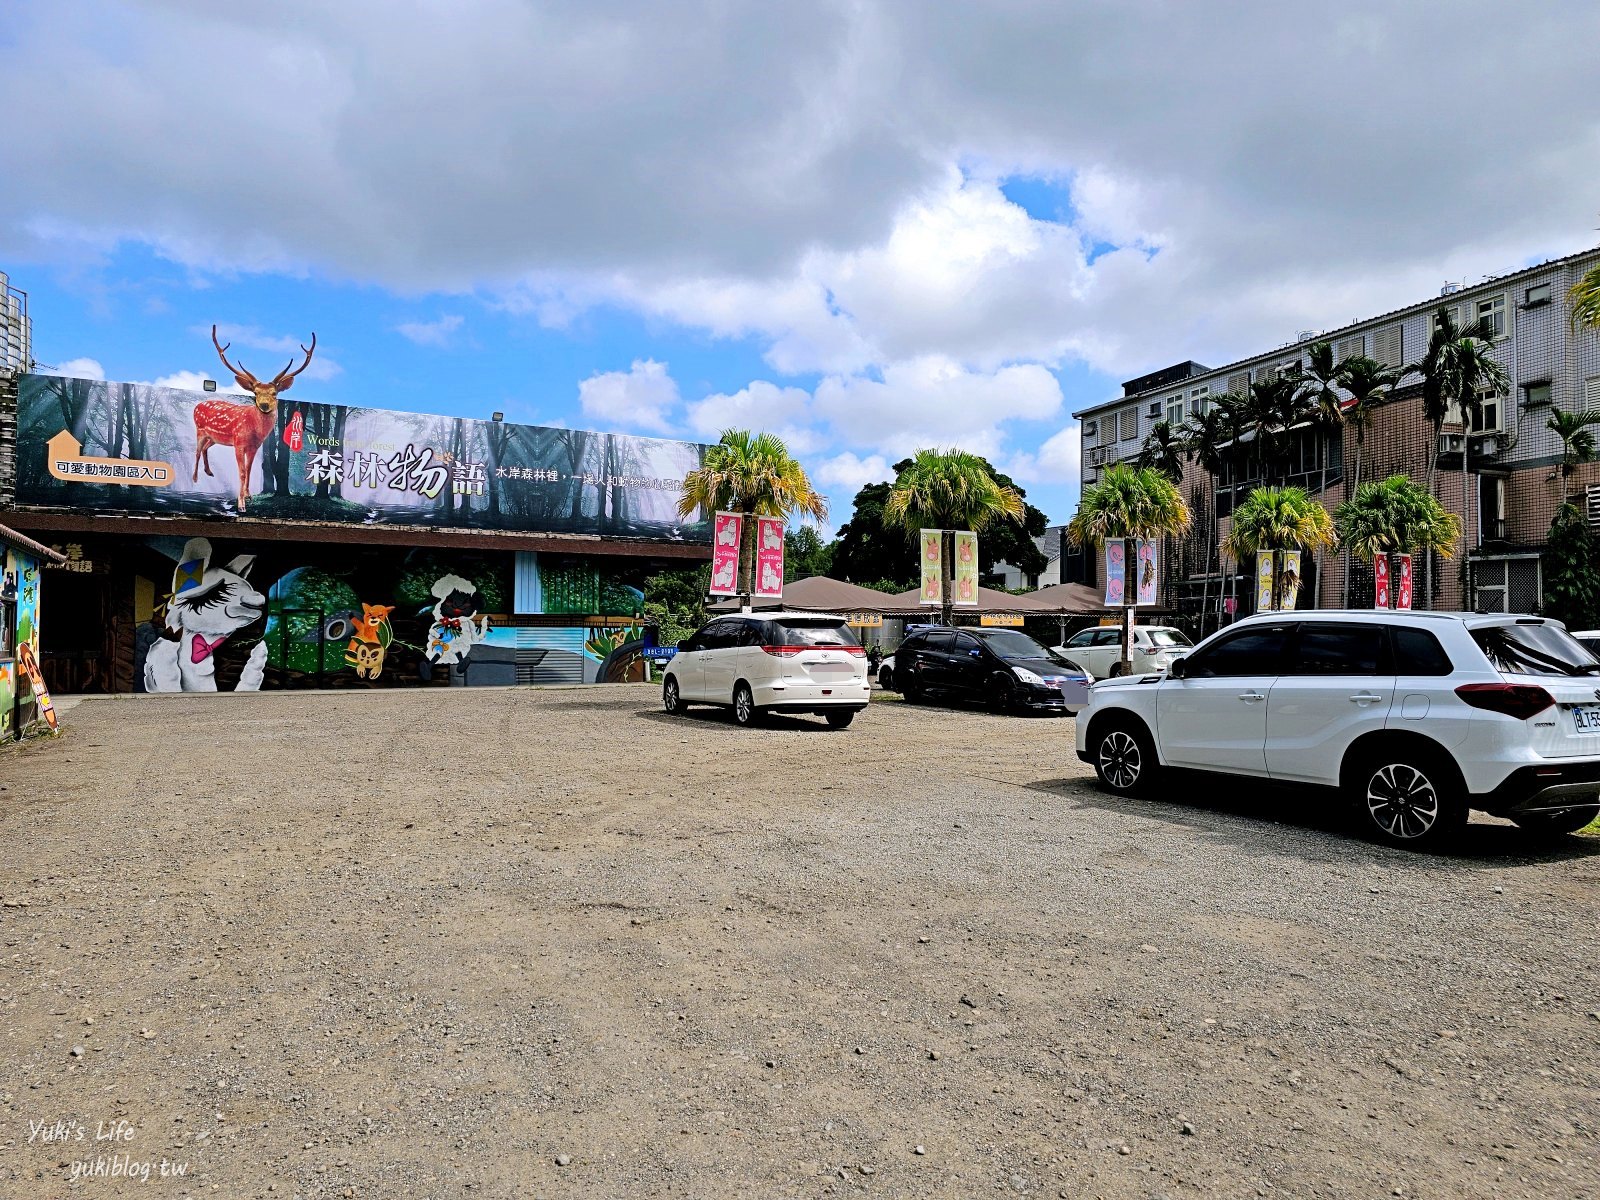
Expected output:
(247, 617)
(91, 445)
(19, 637)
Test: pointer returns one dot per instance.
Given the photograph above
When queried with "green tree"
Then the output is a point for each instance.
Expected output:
(753, 474)
(1128, 502)
(1205, 441)
(1584, 297)
(805, 553)
(1163, 450)
(1271, 410)
(1571, 577)
(1396, 515)
(1278, 519)
(675, 601)
(950, 489)
(1369, 383)
(1323, 378)
(868, 548)
(1577, 443)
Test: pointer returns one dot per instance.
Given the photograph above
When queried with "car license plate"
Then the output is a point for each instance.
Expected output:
(1586, 720)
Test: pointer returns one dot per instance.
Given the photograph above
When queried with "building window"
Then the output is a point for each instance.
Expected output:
(1175, 411)
(1388, 346)
(1266, 374)
(1239, 384)
(1433, 318)
(1538, 294)
(1492, 506)
(1091, 430)
(1129, 424)
(1487, 417)
(1492, 309)
(1591, 393)
(1352, 347)
(1507, 585)
(1536, 395)
(1199, 399)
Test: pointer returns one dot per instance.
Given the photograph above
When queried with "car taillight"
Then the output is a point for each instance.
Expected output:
(1519, 700)
(783, 651)
(791, 651)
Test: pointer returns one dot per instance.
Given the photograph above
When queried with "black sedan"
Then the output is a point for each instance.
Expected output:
(1004, 669)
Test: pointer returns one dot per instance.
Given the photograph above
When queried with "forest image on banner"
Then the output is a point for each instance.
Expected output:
(92, 445)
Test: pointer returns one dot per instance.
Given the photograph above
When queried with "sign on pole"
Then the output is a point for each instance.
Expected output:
(1380, 581)
(1289, 589)
(1149, 583)
(769, 558)
(1116, 570)
(1007, 620)
(1402, 594)
(932, 566)
(725, 553)
(1263, 580)
(966, 568)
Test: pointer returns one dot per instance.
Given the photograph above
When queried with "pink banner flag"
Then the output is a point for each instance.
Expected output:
(769, 558)
(726, 529)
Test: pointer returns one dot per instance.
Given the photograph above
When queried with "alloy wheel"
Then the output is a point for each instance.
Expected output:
(1402, 801)
(743, 705)
(669, 696)
(1120, 760)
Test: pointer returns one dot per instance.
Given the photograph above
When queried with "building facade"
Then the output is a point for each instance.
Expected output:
(1499, 474)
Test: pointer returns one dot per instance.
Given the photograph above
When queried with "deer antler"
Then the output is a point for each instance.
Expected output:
(285, 377)
(246, 380)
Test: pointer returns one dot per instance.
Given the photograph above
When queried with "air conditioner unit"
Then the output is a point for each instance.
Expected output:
(1486, 445)
(1450, 443)
(1097, 456)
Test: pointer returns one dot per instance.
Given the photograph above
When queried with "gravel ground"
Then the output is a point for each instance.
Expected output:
(524, 943)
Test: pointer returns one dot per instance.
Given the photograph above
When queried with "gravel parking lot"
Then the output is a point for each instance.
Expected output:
(524, 943)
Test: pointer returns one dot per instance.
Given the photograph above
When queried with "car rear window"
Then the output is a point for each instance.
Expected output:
(1534, 648)
(1417, 652)
(792, 632)
(1168, 637)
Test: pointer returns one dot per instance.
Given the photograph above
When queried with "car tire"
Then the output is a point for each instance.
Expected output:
(911, 692)
(745, 711)
(1558, 824)
(1408, 798)
(1124, 758)
(886, 678)
(1002, 694)
(840, 719)
(671, 698)
(1116, 670)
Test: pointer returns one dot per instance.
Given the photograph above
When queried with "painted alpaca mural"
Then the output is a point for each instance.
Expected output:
(244, 425)
(208, 605)
(452, 635)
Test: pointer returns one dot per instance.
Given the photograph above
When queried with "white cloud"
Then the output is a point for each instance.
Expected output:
(431, 333)
(785, 411)
(1056, 462)
(75, 368)
(194, 381)
(849, 474)
(641, 397)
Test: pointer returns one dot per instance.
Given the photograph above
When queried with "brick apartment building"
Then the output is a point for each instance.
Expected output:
(1506, 498)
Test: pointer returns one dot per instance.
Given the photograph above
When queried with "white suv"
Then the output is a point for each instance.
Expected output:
(775, 662)
(1099, 649)
(1415, 717)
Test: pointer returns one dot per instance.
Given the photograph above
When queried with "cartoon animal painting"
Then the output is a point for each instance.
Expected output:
(209, 604)
(722, 577)
(371, 641)
(1147, 576)
(453, 634)
(242, 425)
(771, 579)
(728, 534)
(771, 537)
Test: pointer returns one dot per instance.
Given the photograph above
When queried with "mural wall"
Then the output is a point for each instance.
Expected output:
(92, 445)
(374, 617)
(19, 626)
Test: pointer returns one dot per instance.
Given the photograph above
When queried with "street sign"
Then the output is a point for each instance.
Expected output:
(1013, 620)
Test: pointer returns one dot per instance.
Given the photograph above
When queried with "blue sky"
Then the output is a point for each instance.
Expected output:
(869, 225)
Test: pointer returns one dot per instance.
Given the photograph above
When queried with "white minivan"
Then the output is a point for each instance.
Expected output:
(772, 662)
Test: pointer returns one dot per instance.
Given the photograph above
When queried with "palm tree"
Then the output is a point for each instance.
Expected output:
(1163, 450)
(949, 490)
(1278, 519)
(1272, 408)
(1584, 297)
(1395, 516)
(1577, 443)
(1204, 442)
(1323, 379)
(1128, 502)
(753, 474)
(1369, 382)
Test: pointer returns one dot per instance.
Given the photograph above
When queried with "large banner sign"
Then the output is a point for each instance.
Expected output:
(932, 543)
(1149, 582)
(769, 558)
(726, 543)
(1380, 579)
(1116, 570)
(91, 445)
(966, 568)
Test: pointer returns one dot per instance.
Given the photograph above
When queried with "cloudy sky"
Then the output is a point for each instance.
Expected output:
(871, 225)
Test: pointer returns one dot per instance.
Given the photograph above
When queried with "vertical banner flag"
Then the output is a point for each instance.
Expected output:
(725, 554)
(1263, 580)
(41, 694)
(1402, 591)
(1380, 577)
(1145, 555)
(932, 566)
(966, 568)
(1289, 589)
(1115, 573)
(769, 558)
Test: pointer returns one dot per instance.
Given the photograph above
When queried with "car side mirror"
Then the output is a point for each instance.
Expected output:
(975, 653)
(1177, 668)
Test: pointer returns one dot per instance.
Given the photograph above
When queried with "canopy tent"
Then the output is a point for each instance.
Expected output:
(820, 594)
(1072, 599)
(990, 602)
